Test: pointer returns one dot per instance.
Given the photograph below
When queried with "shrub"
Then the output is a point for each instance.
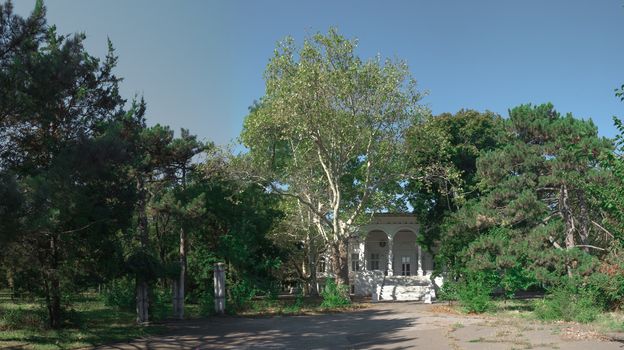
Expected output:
(205, 300)
(161, 305)
(299, 299)
(448, 291)
(239, 296)
(335, 295)
(474, 293)
(120, 294)
(569, 303)
(17, 318)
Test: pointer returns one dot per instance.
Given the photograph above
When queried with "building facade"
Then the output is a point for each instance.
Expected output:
(386, 262)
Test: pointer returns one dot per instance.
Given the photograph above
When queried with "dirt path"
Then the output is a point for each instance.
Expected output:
(382, 326)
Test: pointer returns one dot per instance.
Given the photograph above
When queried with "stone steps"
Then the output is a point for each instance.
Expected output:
(403, 288)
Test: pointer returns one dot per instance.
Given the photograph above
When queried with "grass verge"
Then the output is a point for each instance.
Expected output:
(89, 323)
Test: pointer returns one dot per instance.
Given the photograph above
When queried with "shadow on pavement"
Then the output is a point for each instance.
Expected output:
(359, 329)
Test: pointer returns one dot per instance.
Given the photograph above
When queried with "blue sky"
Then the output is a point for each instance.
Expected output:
(199, 64)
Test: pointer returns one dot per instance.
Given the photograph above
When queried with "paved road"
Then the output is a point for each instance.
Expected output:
(382, 326)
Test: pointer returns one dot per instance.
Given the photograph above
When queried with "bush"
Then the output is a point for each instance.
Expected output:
(120, 294)
(569, 303)
(239, 296)
(474, 293)
(335, 295)
(205, 299)
(161, 304)
(448, 292)
(17, 318)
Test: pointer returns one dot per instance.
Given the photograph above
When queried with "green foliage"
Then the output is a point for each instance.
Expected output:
(120, 294)
(17, 317)
(335, 295)
(88, 323)
(503, 255)
(206, 302)
(299, 298)
(569, 303)
(144, 265)
(329, 132)
(534, 221)
(607, 281)
(442, 161)
(160, 305)
(474, 292)
(610, 191)
(239, 296)
(448, 291)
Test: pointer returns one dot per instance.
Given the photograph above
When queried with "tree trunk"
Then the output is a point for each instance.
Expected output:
(312, 267)
(178, 303)
(584, 221)
(142, 300)
(568, 217)
(55, 307)
(53, 287)
(142, 287)
(178, 295)
(340, 261)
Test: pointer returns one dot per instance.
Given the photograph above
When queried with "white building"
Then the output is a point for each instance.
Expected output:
(386, 262)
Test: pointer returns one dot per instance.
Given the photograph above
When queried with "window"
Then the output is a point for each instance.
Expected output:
(405, 266)
(374, 261)
(355, 262)
(321, 265)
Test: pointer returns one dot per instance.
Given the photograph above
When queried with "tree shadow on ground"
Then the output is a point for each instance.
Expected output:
(357, 329)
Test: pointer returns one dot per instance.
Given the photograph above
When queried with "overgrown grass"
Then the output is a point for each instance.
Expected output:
(294, 306)
(533, 309)
(335, 295)
(88, 323)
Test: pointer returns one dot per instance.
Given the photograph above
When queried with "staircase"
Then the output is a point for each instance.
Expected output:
(404, 288)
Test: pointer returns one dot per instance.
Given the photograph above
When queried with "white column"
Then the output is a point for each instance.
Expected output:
(219, 288)
(390, 255)
(420, 271)
(362, 255)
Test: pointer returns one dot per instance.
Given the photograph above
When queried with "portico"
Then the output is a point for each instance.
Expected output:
(386, 251)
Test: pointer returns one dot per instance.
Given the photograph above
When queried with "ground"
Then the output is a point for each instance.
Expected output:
(381, 326)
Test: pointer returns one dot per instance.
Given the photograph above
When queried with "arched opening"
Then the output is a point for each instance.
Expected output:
(405, 254)
(376, 251)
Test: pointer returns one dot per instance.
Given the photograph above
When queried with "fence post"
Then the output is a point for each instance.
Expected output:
(219, 288)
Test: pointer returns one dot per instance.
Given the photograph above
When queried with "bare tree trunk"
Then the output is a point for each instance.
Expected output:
(584, 222)
(340, 262)
(178, 303)
(312, 258)
(142, 300)
(178, 295)
(142, 287)
(53, 286)
(568, 219)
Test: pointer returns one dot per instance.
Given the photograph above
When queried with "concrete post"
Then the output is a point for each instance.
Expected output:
(428, 297)
(376, 293)
(219, 288)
